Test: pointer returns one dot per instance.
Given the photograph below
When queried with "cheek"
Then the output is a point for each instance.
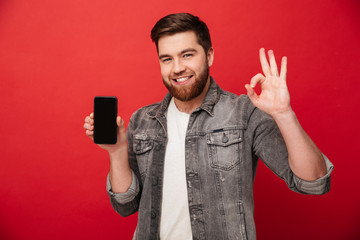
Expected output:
(165, 71)
(198, 66)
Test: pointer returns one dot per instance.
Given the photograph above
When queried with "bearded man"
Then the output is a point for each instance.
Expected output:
(187, 164)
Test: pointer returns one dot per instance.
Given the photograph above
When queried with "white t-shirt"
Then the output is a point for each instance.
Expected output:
(175, 217)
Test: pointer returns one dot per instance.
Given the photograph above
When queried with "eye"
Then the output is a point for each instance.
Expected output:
(187, 55)
(166, 60)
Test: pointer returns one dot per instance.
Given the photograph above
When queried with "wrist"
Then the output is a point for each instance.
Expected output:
(118, 153)
(117, 149)
(284, 116)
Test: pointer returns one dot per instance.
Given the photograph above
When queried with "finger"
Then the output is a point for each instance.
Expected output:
(264, 63)
(251, 93)
(90, 133)
(92, 115)
(273, 66)
(121, 124)
(88, 126)
(89, 120)
(119, 121)
(283, 68)
(258, 78)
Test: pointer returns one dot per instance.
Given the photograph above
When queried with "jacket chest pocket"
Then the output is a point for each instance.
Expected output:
(225, 148)
(142, 149)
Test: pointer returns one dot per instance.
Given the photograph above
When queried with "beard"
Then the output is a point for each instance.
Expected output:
(187, 93)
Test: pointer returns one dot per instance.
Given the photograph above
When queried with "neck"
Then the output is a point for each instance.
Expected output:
(189, 106)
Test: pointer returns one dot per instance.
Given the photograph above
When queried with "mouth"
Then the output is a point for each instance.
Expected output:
(182, 80)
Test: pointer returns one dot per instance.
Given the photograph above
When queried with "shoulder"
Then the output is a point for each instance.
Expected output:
(145, 112)
(242, 107)
(239, 104)
(242, 100)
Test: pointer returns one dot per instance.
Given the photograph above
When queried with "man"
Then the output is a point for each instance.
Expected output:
(188, 163)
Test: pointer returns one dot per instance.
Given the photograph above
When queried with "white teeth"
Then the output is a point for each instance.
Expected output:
(182, 79)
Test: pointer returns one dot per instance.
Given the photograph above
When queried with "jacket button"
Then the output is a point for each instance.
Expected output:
(153, 214)
(225, 139)
(158, 147)
(138, 147)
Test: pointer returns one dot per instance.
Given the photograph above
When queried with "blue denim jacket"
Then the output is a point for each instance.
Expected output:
(225, 138)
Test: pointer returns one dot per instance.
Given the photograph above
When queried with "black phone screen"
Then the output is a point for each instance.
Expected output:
(105, 127)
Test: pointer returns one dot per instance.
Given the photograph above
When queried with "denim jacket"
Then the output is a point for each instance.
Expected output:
(225, 138)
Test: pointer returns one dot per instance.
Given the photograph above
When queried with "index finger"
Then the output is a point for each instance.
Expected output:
(89, 118)
(264, 63)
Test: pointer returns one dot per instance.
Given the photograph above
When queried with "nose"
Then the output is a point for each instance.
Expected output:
(178, 67)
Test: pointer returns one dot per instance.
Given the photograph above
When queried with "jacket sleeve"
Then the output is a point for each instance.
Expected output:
(127, 203)
(269, 145)
(318, 186)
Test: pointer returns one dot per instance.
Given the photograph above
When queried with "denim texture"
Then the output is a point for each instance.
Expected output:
(225, 138)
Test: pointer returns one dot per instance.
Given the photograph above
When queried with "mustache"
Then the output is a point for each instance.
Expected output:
(181, 74)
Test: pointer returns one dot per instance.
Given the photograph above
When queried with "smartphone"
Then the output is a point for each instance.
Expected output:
(105, 113)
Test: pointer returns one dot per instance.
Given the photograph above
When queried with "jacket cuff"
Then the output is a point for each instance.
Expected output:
(126, 197)
(318, 186)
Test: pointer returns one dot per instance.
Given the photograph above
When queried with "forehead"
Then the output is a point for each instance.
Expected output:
(175, 43)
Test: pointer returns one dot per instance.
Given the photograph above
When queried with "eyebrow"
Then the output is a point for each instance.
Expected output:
(182, 52)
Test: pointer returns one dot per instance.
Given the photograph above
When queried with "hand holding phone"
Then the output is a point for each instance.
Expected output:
(121, 175)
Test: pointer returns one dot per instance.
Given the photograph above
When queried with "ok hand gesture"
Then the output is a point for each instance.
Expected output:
(274, 98)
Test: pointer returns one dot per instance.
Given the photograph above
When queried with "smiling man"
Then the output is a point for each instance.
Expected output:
(187, 164)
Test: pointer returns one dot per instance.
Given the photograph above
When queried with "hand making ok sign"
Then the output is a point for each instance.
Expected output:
(274, 98)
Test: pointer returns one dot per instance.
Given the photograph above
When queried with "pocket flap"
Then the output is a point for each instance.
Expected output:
(225, 137)
(142, 146)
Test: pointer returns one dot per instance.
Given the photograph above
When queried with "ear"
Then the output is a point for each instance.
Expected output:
(210, 56)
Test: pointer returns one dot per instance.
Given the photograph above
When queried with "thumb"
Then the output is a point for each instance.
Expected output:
(121, 125)
(121, 129)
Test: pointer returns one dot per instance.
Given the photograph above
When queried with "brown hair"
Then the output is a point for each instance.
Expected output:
(181, 22)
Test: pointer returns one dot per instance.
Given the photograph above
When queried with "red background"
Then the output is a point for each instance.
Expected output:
(55, 56)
